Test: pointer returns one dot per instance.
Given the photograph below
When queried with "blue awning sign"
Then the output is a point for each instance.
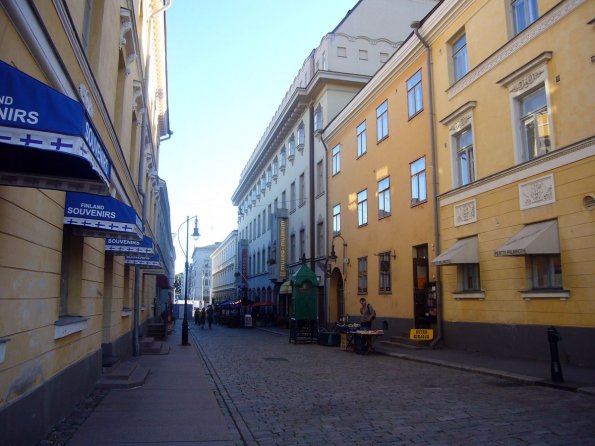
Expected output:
(103, 217)
(153, 261)
(119, 246)
(35, 116)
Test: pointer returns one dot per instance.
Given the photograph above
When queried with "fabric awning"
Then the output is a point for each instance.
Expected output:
(465, 250)
(286, 287)
(153, 261)
(164, 282)
(99, 216)
(47, 139)
(123, 247)
(536, 238)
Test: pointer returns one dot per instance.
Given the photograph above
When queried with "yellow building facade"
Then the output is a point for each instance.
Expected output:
(381, 198)
(508, 117)
(80, 127)
(515, 144)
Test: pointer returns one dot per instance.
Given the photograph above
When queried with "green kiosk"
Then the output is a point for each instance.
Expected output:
(303, 323)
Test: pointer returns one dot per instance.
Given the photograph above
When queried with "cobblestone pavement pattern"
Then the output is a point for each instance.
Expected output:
(278, 393)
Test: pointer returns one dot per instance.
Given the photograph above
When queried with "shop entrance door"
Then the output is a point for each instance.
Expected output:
(424, 306)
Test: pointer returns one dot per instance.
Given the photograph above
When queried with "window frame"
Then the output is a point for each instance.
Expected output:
(336, 167)
(416, 176)
(529, 6)
(362, 208)
(382, 198)
(361, 133)
(337, 219)
(467, 149)
(455, 57)
(415, 95)
(384, 274)
(362, 275)
(382, 121)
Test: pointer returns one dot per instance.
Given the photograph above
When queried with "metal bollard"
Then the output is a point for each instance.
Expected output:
(556, 368)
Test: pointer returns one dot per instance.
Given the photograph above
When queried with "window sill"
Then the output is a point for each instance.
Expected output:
(125, 312)
(302, 204)
(417, 203)
(3, 343)
(67, 325)
(479, 294)
(545, 294)
(385, 292)
(381, 139)
(320, 194)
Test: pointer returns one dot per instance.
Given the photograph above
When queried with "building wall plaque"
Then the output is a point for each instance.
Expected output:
(465, 213)
(537, 192)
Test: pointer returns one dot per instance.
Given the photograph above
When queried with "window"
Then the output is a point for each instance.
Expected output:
(275, 168)
(534, 124)
(72, 263)
(362, 275)
(459, 57)
(302, 189)
(361, 139)
(545, 271)
(258, 230)
(276, 203)
(264, 221)
(418, 181)
(524, 12)
(382, 121)
(384, 279)
(320, 239)
(318, 118)
(337, 159)
(292, 200)
(384, 197)
(284, 200)
(292, 252)
(324, 63)
(465, 160)
(468, 277)
(415, 102)
(362, 208)
(363, 55)
(301, 135)
(302, 243)
(283, 159)
(86, 33)
(319, 177)
(337, 219)
(291, 148)
(341, 51)
(270, 218)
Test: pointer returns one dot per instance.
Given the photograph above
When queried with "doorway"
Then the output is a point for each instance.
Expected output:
(424, 303)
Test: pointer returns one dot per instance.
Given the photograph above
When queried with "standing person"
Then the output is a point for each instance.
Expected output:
(202, 318)
(196, 315)
(210, 315)
(368, 313)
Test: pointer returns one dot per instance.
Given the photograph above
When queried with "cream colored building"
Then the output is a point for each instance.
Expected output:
(515, 143)
(82, 115)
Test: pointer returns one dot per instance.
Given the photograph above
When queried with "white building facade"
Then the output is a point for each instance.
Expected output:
(281, 199)
(199, 276)
(224, 268)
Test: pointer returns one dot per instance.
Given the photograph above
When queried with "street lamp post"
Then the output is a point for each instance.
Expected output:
(195, 235)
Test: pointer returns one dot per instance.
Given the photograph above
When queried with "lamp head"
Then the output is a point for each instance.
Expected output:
(333, 256)
(195, 233)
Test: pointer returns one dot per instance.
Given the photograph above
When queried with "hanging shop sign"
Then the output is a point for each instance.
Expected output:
(47, 139)
(103, 217)
(153, 261)
(123, 247)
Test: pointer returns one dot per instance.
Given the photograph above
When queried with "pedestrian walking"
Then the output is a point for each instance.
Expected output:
(202, 318)
(210, 316)
(196, 316)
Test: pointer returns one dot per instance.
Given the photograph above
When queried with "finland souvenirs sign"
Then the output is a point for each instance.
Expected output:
(103, 217)
(44, 134)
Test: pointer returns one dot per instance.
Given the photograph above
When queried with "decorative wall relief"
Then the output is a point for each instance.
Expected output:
(537, 192)
(465, 213)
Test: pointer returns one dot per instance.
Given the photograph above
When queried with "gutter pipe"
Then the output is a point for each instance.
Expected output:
(415, 25)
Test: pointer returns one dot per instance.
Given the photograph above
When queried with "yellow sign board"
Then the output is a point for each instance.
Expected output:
(421, 334)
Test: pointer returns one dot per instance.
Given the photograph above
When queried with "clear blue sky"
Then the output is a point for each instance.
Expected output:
(230, 63)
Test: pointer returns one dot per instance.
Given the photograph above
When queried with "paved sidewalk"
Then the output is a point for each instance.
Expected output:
(177, 404)
(536, 372)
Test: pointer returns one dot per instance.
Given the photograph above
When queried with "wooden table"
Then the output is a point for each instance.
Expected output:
(363, 340)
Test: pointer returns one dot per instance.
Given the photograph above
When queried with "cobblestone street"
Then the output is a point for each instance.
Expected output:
(280, 393)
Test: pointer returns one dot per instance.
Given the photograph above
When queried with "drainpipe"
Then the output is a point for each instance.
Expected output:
(311, 194)
(327, 280)
(415, 25)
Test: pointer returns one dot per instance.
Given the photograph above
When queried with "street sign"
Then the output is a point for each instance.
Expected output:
(421, 334)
